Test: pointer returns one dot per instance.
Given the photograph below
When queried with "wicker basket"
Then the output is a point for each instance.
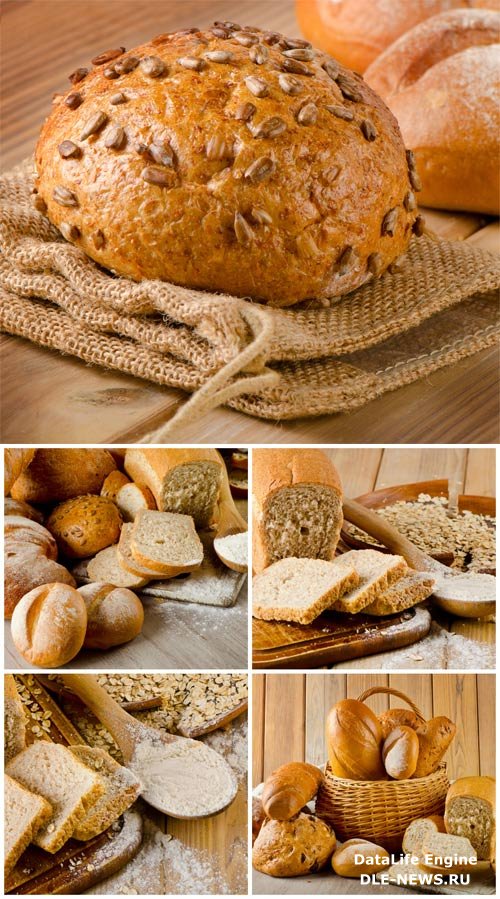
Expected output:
(380, 810)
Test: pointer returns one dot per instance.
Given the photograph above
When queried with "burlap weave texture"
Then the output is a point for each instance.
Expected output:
(440, 306)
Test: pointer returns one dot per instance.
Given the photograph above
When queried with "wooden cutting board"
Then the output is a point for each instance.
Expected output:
(334, 638)
(77, 866)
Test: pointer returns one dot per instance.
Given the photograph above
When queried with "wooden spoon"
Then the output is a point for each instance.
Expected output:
(479, 590)
(169, 783)
(138, 705)
(230, 522)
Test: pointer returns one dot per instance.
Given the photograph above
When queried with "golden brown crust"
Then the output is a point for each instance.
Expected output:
(288, 789)
(84, 525)
(58, 474)
(441, 82)
(291, 200)
(49, 624)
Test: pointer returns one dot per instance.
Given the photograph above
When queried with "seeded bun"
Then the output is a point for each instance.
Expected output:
(232, 160)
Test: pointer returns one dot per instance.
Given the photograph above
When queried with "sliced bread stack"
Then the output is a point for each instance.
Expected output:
(360, 580)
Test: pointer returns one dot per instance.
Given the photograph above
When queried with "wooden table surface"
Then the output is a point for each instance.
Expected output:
(363, 470)
(289, 713)
(48, 397)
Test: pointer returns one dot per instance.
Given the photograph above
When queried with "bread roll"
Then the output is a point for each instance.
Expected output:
(288, 789)
(395, 717)
(49, 624)
(85, 525)
(187, 481)
(434, 738)
(15, 462)
(115, 615)
(296, 506)
(442, 82)
(17, 507)
(112, 484)
(295, 185)
(418, 830)
(290, 848)
(400, 752)
(354, 741)
(356, 31)
(59, 474)
(30, 552)
(346, 861)
(470, 812)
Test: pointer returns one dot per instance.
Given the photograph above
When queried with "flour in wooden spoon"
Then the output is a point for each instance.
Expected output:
(472, 587)
(183, 778)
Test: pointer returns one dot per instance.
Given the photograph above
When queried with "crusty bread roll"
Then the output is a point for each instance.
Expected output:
(84, 525)
(434, 737)
(296, 505)
(356, 31)
(58, 474)
(357, 857)
(290, 848)
(15, 462)
(14, 731)
(288, 789)
(267, 168)
(395, 718)
(470, 812)
(442, 82)
(114, 615)
(17, 507)
(49, 625)
(354, 741)
(30, 554)
(400, 752)
(112, 484)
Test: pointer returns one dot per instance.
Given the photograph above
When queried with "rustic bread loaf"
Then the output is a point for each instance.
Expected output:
(296, 505)
(19, 529)
(30, 552)
(17, 507)
(24, 814)
(347, 862)
(181, 480)
(376, 573)
(84, 525)
(167, 542)
(15, 462)
(434, 737)
(442, 82)
(357, 31)
(121, 789)
(49, 625)
(470, 812)
(58, 474)
(66, 783)
(290, 848)
(114, 615)
(288, 789)
(299, 589)
(418, 830)
(400, 752)
(106, 568)
(354, 741)
(14, 731)
(267, 168)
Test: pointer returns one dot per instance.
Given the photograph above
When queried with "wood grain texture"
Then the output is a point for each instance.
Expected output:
(48, 397)
(289, 714)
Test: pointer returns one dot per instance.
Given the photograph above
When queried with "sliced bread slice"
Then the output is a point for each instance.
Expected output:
(106, 567)
(439, 850)
(14, 732)
(166, 542)
(418, 830)
(121, 785)
(127, 561)
(24, 814)
(403, 594)
(132, 499)
(376, 572)
(300, 589)
(66, 783)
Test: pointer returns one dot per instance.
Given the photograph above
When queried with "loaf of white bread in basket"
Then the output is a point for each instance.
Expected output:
(267, 168)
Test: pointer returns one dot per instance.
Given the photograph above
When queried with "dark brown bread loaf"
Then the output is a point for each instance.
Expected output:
(229, 159)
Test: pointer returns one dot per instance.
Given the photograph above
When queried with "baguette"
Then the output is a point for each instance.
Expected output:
(288, 789)
(296, 506)
(470, 812)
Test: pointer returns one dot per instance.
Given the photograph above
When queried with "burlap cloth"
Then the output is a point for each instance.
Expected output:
(278, 364)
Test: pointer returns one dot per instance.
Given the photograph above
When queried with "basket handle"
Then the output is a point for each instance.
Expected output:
(392, 692)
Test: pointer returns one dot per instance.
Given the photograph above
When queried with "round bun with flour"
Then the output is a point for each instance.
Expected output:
(232, 160)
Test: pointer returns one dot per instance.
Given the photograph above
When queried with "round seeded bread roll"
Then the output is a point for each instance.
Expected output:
(85, 525)
(231, 159)
(49, 624)
(301, 845)
(115, 615)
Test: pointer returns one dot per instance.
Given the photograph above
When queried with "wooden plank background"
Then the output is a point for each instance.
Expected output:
(289, 714)
(48, 397)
